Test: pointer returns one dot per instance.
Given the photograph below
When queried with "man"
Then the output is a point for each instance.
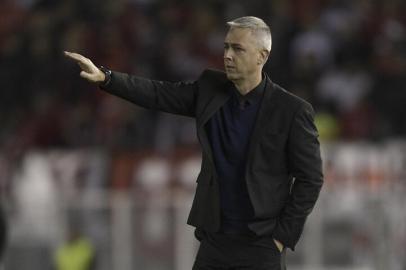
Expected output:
(261, 168)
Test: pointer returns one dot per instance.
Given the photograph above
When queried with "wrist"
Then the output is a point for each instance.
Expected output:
(105, 76)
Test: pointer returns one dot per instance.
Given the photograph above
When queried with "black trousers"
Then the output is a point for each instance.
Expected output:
(219, 251)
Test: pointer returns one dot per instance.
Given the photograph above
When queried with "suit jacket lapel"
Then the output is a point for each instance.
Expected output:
(211, 108)
(266, 109)
(215, 103)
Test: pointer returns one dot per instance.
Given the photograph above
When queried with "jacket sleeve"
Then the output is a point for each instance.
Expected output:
(305, 165)
(177, 98)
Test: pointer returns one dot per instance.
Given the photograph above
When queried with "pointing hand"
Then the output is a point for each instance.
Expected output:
(89, 71)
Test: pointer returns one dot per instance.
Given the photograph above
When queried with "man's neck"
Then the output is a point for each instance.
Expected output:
(244, 86)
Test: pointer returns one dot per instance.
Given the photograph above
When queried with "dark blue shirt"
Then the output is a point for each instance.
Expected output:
(229, 131)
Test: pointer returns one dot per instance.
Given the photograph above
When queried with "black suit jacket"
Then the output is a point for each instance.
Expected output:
(283, 170)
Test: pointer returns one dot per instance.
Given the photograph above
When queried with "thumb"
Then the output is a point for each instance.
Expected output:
(85, 75)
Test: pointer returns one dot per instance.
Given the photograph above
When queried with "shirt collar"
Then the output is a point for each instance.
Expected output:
(254, 95)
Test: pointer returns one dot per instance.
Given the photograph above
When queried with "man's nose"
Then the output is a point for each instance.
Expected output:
(228, 54)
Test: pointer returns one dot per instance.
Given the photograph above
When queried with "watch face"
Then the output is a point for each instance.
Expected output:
(107, 74)
(105, 70)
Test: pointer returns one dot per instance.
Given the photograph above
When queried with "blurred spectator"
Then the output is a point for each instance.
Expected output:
(77, 253)
(312, 49)
(327, 125)
(343, 89)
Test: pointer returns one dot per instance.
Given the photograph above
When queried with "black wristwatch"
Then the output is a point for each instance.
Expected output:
(107, 76)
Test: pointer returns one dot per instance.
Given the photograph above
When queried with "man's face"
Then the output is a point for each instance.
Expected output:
(241, 54)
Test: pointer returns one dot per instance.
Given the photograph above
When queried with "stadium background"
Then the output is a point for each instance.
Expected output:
(70, 153)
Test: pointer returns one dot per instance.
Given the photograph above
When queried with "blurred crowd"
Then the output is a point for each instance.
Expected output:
(348, 58)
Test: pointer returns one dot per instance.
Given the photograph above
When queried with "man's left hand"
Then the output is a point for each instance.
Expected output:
(279, 245)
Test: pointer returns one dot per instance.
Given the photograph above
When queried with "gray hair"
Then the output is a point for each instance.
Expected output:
(258, 27)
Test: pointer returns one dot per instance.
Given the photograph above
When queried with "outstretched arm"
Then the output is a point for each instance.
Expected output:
(176, 98)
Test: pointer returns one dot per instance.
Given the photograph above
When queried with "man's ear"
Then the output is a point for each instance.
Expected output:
(263, 57)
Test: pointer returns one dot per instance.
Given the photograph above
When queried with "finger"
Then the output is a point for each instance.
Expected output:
(70, 54)
(86, 75)
(75, 56)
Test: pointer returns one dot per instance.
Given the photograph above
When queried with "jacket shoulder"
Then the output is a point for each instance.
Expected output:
(290, 99)
(213, 75)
